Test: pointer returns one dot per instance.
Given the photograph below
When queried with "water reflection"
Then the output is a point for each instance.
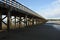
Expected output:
(55, 24)
(57, 27)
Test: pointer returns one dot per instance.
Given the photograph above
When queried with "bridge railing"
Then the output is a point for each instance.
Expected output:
(19, 6)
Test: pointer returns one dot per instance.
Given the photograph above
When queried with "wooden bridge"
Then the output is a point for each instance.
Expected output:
(17, 15)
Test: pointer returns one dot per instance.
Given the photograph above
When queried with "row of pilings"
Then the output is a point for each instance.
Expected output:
(14, 19)
(17, 21)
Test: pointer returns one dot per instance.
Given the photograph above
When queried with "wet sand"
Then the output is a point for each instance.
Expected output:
(40, 32)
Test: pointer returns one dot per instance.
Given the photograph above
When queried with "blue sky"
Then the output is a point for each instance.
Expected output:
(46, 8)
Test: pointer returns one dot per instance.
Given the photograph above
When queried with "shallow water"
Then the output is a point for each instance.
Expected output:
(48, 31)
(57, 27)
(55, 24)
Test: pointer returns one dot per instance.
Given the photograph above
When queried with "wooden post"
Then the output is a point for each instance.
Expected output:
(0, 20)
(8, 20)
(15, 21)
(32, 21)
(26, 20)
(19, 21)
(36, 21)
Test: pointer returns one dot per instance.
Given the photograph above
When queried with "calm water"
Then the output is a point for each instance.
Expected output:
(48, 31)
(55, 24)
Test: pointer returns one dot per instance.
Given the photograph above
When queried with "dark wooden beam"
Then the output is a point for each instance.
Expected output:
(26, 20)
(8, 20)
(0, 20)
(15, 21)
(19, 21)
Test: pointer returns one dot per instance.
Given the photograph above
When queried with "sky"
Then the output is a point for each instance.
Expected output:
(46, 8)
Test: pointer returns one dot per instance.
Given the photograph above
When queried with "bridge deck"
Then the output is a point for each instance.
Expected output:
(16, 6)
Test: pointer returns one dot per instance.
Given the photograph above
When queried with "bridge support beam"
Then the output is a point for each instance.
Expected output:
(26, 20)
(0, 20)
(39, 21)
(15, 21)
(8, 20)
(32, 21)
(19, 22)
(36, 21)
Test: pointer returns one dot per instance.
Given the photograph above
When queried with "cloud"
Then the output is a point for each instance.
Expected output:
(52, 10)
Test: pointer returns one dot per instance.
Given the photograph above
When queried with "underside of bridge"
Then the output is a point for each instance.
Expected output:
(16, 18)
